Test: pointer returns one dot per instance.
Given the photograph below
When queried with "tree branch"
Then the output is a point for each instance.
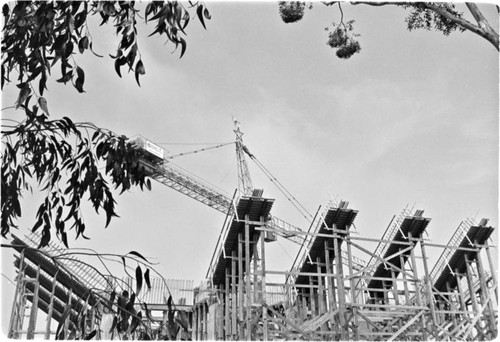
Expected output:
(492, 37)
(342, 16)
(482, 22)
(377, 4)
(483, 29)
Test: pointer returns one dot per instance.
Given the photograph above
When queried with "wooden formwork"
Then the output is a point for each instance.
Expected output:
(330, 295)
(53, 289)
(464, 290)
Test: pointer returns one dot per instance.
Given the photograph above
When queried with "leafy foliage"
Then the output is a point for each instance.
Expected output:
(126, 318)
(344, 40)
(423, 18)
(58, 155)
(114, 295)
(39, 36)
(291, 11)
(441, 16)
(62, 157)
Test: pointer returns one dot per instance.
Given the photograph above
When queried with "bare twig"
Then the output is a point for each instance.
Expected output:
(378, 4)
(342, 16)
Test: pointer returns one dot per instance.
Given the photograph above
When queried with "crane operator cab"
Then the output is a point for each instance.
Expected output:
(151, 155)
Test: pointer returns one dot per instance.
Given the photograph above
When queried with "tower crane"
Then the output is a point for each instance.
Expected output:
(157, 166)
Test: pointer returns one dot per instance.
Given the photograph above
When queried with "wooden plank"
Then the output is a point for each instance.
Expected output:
(461, 293)
(266, 336)
(371, 334)
(472, 291)
(332, 302)
(51, 307)
(241, 304)
(417, 291)
(405, 283)
(452, 306)
(305, 309)
(490, 313)
(474, 321)
(204, 323)
(492, 270)
(340, 290)
(227, 303)
(198, 323)
(34, 308)
(312, 297)
(381, 259)
(368, 320)
(395, 293)
(284, 331)
(427, 280)
(287, 321)
(248, 289)
(16, 305)
(342, 236)
(255, 266)
(404, 327)
(353, 290)
(321, 303)
(234, 298)
(319, 321)
(390, 306)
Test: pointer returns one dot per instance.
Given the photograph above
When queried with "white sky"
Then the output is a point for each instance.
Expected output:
(412, 119)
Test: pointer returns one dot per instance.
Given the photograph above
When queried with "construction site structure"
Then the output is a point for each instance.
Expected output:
(77, 297)
(393, 296)
(341, 286)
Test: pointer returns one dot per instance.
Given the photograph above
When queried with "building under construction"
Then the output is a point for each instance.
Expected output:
(341, 285)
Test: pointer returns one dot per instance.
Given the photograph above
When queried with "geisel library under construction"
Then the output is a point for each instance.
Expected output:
(341, 285)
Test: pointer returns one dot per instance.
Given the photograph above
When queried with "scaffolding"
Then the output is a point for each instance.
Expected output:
(331, 293)
(81, 300)
(341, 285)
(65, 289)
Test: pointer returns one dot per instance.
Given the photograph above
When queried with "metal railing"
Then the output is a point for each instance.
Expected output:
(87, 275)
(447, 253)
(390, 233)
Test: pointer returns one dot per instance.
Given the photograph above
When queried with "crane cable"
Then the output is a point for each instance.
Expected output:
(199, 150)
(302, 210)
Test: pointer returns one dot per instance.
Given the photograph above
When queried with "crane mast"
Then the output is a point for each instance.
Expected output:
(245, 187)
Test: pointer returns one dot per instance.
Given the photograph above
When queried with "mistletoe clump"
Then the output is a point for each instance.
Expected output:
(291, 11)
(337, 38)
(349, 49)
(344, 40)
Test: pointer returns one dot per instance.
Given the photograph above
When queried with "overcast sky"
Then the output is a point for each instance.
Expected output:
(411, 119)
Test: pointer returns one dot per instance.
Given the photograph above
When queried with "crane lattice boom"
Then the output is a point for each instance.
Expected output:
(160, 169)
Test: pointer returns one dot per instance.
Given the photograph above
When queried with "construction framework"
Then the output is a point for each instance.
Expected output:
(329, 293)
(332, 294)
(67, 291)
(77, 297)
(341, 285)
